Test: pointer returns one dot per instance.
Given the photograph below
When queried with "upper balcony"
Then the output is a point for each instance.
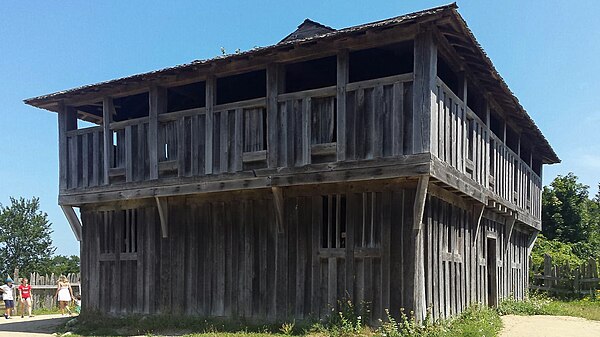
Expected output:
(378, 110)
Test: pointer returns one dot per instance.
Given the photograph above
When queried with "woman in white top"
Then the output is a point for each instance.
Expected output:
(64, 293)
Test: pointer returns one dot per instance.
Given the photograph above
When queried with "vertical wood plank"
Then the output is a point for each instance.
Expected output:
(208, 140)
(107, 116)
(306, 127)
(272, 107)
(158, 105)
(342, 80)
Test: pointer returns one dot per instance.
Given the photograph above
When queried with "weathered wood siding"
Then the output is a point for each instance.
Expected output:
(463, 141)
(456, 260)
(228, 257)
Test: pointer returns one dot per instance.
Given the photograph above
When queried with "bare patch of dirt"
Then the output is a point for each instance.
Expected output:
(38, 326)
(548, 326)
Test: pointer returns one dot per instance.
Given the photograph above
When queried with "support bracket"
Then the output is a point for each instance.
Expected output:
(73, 220)
(163, 213)
(531, 241)
(279, 207)
(419, 205)
(477, 215)
(510, 224)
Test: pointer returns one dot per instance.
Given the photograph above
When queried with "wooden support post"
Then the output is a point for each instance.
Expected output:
(73, 221)
(163, 213)
(342, 81)
(425, 73)
(158, 105)
(273, 84)
(108, 111)
(279, 207)
(420, 305)
(510, 224)
(67, 121)
(477, 215)
(208, 141)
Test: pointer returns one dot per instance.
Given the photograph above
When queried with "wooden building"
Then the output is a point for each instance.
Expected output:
(388, 163)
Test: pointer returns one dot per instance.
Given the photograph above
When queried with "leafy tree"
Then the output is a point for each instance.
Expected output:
(62, 265)
(565, 210)
(25, 241)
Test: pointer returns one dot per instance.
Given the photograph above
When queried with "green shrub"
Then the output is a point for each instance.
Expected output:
(535, 304)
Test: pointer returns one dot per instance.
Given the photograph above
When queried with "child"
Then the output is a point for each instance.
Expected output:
(78, 304)
(7, 296)
(25, 295)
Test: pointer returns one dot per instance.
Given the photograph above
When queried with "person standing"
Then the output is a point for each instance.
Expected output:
(7, 296)
(64, 292)
(25, 295)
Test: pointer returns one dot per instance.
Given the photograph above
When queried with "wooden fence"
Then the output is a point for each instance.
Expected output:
(564, 279)
(43, 288)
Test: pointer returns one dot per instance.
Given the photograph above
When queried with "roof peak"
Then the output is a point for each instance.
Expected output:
(308, 28)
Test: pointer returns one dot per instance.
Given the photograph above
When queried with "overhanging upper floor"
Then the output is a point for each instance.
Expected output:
(409, 96)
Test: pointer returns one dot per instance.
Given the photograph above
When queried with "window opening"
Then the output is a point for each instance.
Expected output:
(334, 221)
(311, 74)
(131, 107)
(242, 87)
(368, 64)
(184, 97)
(448, 76)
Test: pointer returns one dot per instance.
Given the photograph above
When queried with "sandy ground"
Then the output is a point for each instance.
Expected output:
(548, 326)
(37, 326)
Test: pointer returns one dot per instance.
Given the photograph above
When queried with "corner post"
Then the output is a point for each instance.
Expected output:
(419, 298)
(67, 121)
(342, 81)
(425, 73)
(108, 110)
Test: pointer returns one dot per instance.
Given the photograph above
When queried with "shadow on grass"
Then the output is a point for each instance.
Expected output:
(95, 324)
(45, 325)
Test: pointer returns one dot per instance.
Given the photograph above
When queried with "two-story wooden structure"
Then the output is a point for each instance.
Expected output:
(387, 162)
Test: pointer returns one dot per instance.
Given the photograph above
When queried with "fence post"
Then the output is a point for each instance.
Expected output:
(547, 271)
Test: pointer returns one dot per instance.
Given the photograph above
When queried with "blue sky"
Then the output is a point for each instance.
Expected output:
(547, 51)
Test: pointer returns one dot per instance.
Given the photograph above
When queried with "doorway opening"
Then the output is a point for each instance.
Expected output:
(492, 277)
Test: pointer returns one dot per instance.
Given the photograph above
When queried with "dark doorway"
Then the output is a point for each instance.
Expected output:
(492, 278)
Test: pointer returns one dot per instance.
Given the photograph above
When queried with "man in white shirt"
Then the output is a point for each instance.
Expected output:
(7, 296)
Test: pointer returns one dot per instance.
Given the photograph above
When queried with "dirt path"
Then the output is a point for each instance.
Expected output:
(37, 326)
(548, 326)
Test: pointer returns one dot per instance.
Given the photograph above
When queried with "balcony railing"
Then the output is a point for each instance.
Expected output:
(305, 133)
(462, 140)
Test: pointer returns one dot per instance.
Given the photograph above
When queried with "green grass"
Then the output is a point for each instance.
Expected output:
(475, 322)
(539, 304)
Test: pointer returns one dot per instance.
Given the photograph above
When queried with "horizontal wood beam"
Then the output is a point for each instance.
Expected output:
(73, 220)
(406, 166)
